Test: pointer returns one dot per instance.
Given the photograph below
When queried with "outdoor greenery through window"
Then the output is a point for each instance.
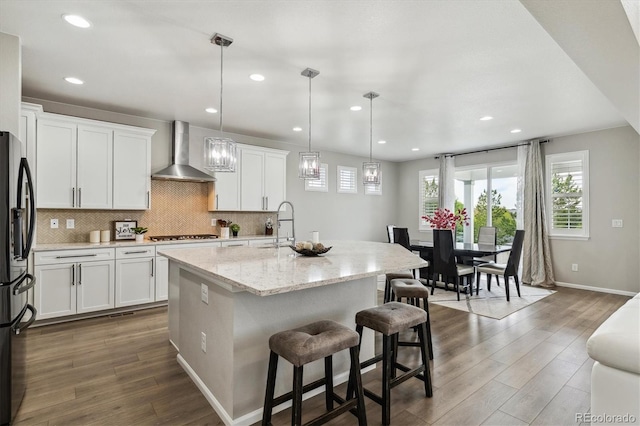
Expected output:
(567, 194)
(428, 187)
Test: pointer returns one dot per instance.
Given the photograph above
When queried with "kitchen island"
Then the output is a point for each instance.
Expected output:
(225, 303)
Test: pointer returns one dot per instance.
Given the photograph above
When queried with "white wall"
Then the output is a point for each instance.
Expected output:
(10, 83)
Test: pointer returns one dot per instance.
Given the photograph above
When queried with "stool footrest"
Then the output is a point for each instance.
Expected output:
(371, 361)
(407, 369)
(374, 396)
(306, 388)
(406, 376)
(353, 403)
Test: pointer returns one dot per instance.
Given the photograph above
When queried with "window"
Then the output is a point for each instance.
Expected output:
(567, 192)
(428, 187)
(320, 185)
(347, 180)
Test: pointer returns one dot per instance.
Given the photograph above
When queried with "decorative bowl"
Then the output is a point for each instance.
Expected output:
(306, 252)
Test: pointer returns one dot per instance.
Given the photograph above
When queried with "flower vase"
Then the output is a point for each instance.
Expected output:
(268, 231)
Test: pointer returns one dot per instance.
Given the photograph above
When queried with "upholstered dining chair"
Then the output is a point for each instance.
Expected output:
(510, 269)
(487, 235)
(444, 263)
(390, 233)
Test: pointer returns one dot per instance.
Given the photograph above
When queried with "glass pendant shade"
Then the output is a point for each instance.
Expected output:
(309, 165)
(220, 154)
(371, 173)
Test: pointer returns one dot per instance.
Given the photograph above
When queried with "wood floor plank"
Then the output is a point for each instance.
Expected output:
(582, 379)
(525, 368)
(564, 407)
(498, 418)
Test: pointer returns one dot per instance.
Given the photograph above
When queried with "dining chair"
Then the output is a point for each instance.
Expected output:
(510, 269)
(390, 233)
(444, 263)
(487, 235)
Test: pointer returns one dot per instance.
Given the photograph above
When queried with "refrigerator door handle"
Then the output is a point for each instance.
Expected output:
(19, 288)
(17, 328)
(25, 249)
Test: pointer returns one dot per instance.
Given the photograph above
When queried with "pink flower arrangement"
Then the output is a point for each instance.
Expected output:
(446, 219)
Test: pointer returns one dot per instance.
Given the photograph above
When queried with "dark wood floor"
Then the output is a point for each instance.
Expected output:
(528, 368)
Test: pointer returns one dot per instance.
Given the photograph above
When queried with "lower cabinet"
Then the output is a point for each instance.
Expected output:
(68, 288)
(135, 275)
(162, 278)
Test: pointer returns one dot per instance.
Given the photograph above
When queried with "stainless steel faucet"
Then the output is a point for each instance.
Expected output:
(278, 220)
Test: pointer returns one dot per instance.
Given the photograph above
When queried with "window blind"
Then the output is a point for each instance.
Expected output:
(428, 188)
(321, 184)
(347, 180)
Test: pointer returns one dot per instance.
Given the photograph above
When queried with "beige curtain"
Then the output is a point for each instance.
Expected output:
(536, 255)
(446, 183)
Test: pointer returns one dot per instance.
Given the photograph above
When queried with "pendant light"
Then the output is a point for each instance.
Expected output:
(220, 152)
(309, 165)
(371, 170)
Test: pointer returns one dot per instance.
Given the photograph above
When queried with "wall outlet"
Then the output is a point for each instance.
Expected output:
(214, 222)
(203, 342)
(71, 223)
(54, 223)
(574, 267)
(204, 293)
(616, 223)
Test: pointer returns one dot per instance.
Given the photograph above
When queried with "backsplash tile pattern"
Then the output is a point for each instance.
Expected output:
(176, 208)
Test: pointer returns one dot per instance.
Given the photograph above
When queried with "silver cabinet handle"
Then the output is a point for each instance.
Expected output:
(148, 199)
(79, 197)
(73, 197)
(266, 203)
(73, 274)
(76, 255)
(217, 203)
(152, 266)
(136, 252)
(79, 273)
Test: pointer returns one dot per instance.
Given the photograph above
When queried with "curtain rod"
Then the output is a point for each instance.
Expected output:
(490, 149)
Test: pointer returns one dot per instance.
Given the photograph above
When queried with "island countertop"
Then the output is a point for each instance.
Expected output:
(268, 271)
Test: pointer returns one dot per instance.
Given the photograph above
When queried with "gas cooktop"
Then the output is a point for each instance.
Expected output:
(183, 237)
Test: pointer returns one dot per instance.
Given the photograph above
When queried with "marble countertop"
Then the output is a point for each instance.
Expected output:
(268, 271)
(131, 243)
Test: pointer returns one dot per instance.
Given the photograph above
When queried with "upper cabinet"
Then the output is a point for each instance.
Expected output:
(259, 184)
(90, 164)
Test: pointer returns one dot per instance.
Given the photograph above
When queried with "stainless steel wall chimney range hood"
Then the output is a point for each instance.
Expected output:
(180, 168)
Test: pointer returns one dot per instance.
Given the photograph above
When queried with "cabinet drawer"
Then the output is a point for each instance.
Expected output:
(135, 251)
(70, 256)
(234, 243)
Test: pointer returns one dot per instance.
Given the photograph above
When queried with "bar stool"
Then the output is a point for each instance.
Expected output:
(306, 344)
(387, 284)
(413, 291)
(390, 319)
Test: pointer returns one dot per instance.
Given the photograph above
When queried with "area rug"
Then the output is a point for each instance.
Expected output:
(492, 303)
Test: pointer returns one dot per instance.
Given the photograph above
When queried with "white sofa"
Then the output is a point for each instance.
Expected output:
(615, 377)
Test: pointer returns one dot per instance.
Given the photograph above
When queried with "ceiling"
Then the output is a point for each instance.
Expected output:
(439, 66)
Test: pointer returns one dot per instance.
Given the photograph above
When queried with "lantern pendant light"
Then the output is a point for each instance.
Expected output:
(309, 165)
(371, 172)
(220, 152)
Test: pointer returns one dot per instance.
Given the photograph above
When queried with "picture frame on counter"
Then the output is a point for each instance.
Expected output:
(123, 229)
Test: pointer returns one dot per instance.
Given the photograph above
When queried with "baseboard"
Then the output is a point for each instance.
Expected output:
(256, 415)
(598, 289)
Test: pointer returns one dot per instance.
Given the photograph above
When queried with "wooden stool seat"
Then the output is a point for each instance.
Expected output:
(310, 343)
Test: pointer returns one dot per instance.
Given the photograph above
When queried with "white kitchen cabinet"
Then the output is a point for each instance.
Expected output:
(263, 178)
(73, 282)
(224, 193)
(92, 164)
(132, 170)
(162, 278)
(135, 275)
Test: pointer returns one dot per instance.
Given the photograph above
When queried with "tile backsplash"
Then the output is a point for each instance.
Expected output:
(176, 208)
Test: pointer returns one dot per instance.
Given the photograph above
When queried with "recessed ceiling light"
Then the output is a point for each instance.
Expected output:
(415, 149)
(516, 131)
(77, 21)
(297, 129)
(73, 80)
(211, 110)
(486, 118)
(257, 77)
(382, 142)
(355, 108)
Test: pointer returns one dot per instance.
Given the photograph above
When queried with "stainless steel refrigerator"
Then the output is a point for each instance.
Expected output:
(17, 226)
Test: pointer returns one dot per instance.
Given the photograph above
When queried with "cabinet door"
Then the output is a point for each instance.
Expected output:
(275, 180)
(251, 180)
(135, 283)
(131, 171)
(56, 164)
(227, 191)
(95, 286)
(55, 293)
(162, 278)
(94, 167)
